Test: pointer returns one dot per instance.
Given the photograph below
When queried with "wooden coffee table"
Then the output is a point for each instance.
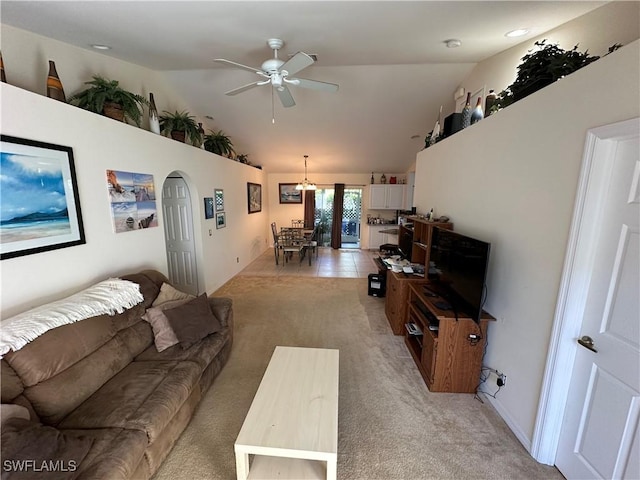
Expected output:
(291, 428)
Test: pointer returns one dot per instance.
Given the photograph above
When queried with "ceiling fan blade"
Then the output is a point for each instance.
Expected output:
(285, 96)
(296, 63)
(244, 88)
(238, 65)
(314, 84)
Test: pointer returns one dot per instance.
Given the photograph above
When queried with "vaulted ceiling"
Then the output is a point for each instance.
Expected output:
(389, 58)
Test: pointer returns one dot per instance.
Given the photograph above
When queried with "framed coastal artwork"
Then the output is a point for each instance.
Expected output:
(289, 194)
(133, 200)
(40, 207)
(254, 197)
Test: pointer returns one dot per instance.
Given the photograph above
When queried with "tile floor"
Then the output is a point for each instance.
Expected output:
(347, 263)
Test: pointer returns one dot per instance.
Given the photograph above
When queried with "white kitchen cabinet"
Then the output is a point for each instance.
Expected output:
(386, 197)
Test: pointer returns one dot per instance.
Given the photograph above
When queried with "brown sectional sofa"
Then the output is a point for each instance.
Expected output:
(103, 401)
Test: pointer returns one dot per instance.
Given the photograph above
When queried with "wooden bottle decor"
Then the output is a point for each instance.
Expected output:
(54, 85)
(154, 121)
(3, 78)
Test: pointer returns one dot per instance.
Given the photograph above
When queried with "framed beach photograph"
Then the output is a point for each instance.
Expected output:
(132, 197)
(254, 197)
(208, 207)
(221, 220)
(40, 208)
(219, 197)
(289, 194)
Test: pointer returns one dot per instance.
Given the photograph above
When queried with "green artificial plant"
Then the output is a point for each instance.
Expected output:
(181, 126)
(106, 97)
(219, 143)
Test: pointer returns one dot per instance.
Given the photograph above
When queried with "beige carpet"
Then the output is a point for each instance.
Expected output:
(390, 425)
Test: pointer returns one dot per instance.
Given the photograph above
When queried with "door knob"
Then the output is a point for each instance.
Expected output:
(587, 342)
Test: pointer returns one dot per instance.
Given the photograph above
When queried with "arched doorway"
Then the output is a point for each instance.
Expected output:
(178, 234)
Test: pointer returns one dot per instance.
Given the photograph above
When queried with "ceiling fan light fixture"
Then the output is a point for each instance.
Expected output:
(306, 185)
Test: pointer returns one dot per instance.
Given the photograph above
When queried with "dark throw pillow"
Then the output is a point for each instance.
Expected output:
(192, 321)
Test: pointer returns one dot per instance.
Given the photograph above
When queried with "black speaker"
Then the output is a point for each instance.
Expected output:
(452, 124)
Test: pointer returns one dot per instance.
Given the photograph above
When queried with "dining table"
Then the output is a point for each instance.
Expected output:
(298, 237)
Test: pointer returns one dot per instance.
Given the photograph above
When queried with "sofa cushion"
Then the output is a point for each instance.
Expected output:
(55, 397)
(114, 454)
(143, 396)
(50, 452)
(168, 294)
(202, 352)
(164, 336)
(62, 347)
(11, 384)
(192, 321)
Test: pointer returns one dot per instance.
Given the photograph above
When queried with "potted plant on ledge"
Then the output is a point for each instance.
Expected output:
(181, 126)
(219, 143)
(541, 67)
(106, 97)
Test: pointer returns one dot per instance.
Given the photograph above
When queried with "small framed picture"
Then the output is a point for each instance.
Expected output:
(221, 220)
(289, 194)
(219, 197)
(208, 207)
(254, 197)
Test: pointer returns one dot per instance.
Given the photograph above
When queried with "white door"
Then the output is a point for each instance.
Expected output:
(178, 232)
(599, 433)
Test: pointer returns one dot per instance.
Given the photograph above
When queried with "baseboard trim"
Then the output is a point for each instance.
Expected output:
(517, 431)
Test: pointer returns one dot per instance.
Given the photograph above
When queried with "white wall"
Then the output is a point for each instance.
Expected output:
(26, 62)
(100, 143)
(511, 180)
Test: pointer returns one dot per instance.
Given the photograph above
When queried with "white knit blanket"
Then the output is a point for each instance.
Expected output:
(108, 297)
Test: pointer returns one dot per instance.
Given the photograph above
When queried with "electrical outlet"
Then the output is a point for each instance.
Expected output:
(501, 381)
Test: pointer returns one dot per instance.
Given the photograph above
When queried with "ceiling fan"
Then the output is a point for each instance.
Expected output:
(280, 74)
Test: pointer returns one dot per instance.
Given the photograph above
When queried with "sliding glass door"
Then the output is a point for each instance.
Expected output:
(351, 217)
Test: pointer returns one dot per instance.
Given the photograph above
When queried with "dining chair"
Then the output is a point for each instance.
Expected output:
(291, 242)
(276, 242)
(297, 223)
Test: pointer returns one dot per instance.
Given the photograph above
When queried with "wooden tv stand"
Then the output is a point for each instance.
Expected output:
(449, 359)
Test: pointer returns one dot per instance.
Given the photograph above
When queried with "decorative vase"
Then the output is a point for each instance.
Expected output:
(466, 112)
(200, 143)
(54, 85)
(383, 178)
(477, 114)
(489, 101)
(154, 119)
(373, 180)
(3, 78)
(113, 110)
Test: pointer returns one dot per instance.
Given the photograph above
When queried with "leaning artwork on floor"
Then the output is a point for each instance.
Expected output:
(133, 200)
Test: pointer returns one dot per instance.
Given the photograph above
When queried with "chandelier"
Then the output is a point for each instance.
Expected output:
(306, 185)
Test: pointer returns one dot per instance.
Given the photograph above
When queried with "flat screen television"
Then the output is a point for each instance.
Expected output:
(458, 265)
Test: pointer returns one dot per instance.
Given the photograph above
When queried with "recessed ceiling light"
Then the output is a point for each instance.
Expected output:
(517, 33)
(452, 43)
(208, 117)
(101, 47)
(413, 137)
